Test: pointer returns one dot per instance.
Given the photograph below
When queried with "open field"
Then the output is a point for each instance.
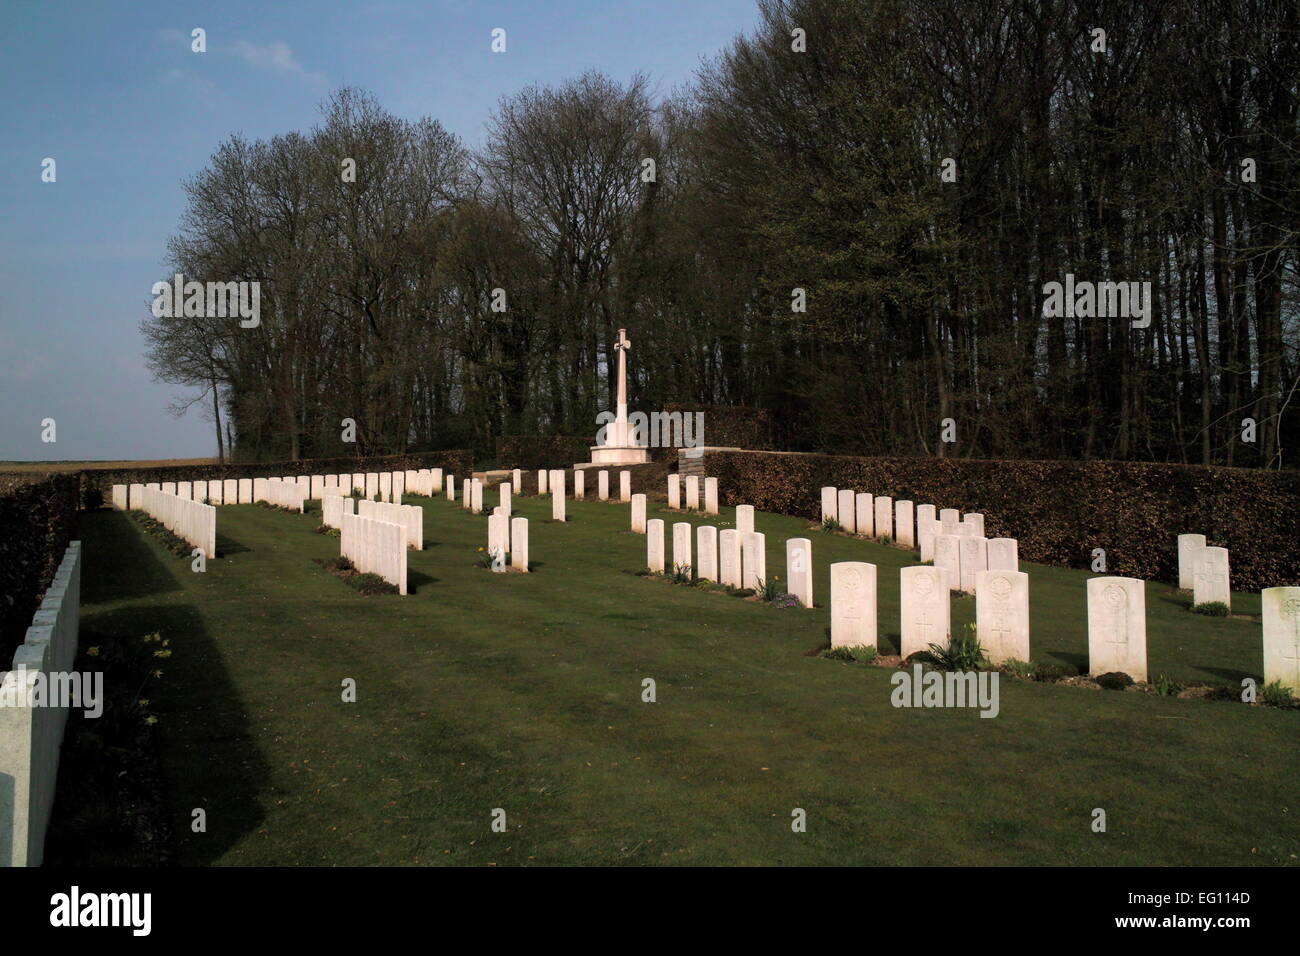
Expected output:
(45, 467)
(523, 692)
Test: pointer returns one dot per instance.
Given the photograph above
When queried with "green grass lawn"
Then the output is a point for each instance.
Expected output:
(523, 692)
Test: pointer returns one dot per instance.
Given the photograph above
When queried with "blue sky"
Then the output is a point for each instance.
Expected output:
(112, 92)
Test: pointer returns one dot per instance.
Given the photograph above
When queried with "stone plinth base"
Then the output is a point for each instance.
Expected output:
(618, 455)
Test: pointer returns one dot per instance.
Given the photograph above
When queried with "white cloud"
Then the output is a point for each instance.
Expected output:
(275, 56)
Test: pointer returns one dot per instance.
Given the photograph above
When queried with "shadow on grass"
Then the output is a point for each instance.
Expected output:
(415, 580)
(119, 564)
(117, 795)
(226, 546)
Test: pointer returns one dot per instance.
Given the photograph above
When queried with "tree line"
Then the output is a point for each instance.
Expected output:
(848, 217)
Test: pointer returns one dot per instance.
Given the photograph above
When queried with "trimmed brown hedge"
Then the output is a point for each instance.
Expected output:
(732, 426)
(97, 484)
(38, 517)
(543, 451)
(1059, 510)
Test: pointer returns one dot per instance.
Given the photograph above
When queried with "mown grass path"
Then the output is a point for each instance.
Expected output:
(523, 692)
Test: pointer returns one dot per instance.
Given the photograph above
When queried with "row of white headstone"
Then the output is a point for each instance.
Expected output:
(389, 486)
(1204, 571)
(947, 538)
(375, 547)
(550, 479)
(732, 557)
(692, 484)
(410, 517)
(282, 494)
(189, 520)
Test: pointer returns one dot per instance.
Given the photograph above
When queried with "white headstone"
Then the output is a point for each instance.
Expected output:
(884, 517)
(682, 546)
(1213, 579)
(542, 485)
(974, 558)
(706, 552)
(519, 544)
(1117, 627)
(904, 524)
(602, 485)
(947, 555)
(925, 611)
(517, 481)
(476, 496)
(654, 544)
(638, 514)
(1281, 607)
(711, 496)
(864, 515)
(798, 569)
(625, 486)
(830, 504)
(973, 524)
(674, 492)
(1002, 615)
(498, 535)
(853, 604)
(925, 515)
(505, 496)
(1004, 555)
(119, 497)
(693, 492)
(557, 496)
(451, 487)
(753, 557)
(1189, 545)
(579, 484)
(729, 567)
(846, 509)
(950, 521)
(744, 518)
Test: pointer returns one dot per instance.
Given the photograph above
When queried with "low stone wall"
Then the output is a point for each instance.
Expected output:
(31, 736)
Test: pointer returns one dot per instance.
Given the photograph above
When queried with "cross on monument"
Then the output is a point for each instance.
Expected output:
(617, 447)
(620, 417)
